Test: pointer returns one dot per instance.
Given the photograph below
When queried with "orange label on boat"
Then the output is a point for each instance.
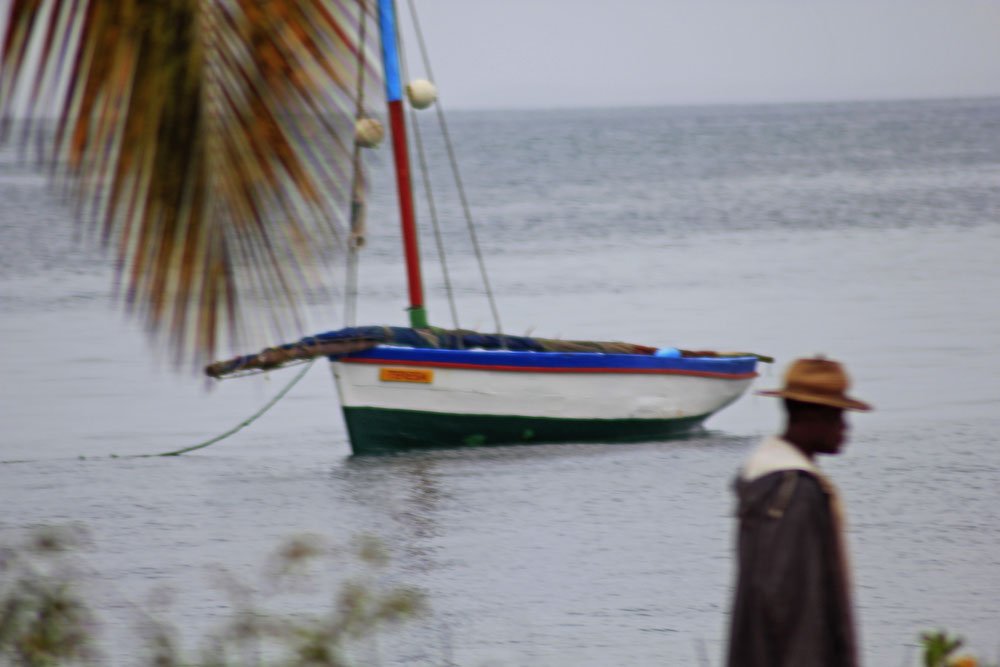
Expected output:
(405, 375)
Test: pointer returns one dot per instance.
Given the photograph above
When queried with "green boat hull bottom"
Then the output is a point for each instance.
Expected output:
(385, 431)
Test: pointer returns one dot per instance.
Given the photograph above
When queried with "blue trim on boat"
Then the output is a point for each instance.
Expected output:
(582, 360)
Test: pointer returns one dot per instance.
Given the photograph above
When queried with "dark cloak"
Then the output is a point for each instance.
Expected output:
(792, 606)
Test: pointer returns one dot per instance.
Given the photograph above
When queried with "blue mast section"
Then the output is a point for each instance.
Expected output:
(390, 55)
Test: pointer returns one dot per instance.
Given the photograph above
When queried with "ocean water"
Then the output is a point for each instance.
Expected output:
(865, 231)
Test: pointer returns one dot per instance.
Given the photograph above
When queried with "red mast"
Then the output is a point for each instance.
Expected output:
(400, 153)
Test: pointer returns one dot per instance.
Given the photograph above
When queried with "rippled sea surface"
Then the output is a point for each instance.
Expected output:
(865, 231)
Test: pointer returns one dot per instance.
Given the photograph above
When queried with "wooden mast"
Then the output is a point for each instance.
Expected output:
(397, 125)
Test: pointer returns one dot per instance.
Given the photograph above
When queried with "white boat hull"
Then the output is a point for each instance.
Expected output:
(398, 398)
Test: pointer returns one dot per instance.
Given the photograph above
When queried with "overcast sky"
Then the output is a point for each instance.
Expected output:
(560, 53)
(567, 53)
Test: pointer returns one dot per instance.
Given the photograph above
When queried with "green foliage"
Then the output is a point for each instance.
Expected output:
(941, 650)
(45, 619)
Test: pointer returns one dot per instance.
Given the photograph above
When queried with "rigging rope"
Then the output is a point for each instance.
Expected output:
(429, 195)
(356, 238)
(455, 171)
(435, 224)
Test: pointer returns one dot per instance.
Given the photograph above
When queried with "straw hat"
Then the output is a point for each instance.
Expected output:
(818, 381)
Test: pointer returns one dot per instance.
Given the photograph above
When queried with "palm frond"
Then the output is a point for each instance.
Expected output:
(208, 141)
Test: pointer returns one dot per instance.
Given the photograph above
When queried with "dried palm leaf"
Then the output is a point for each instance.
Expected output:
(209, 141)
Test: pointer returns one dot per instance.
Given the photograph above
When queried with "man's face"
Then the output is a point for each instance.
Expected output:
(827, 429)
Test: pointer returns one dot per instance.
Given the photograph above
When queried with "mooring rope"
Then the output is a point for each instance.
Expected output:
(246, 422)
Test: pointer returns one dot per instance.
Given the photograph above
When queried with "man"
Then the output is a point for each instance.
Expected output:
(792, 606)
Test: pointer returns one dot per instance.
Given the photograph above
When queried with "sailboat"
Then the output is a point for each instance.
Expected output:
(415, 387)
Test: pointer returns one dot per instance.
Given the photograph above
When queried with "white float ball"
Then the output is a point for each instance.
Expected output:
(421, 93)
(368, 132)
